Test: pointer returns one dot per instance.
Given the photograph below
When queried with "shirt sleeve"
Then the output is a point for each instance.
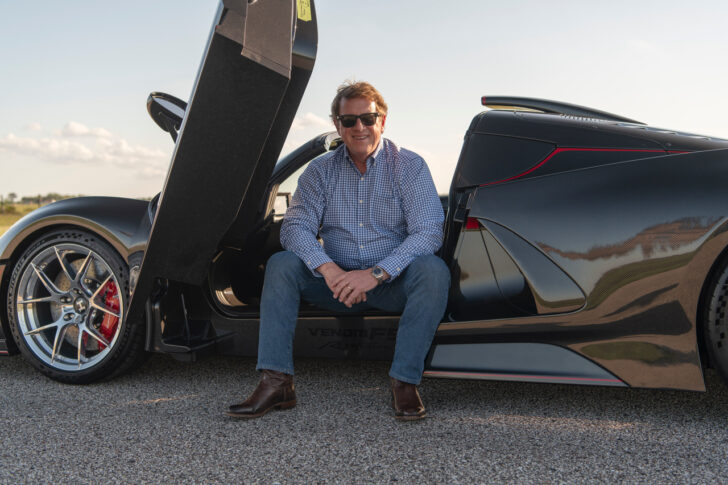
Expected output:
(423, 215)
(302, 221)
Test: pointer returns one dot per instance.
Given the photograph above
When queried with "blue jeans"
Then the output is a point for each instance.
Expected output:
(419, 293)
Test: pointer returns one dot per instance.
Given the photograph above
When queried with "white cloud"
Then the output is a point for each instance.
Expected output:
(304, 128)
(74, 128)
(149, 162)
(310, 120)
(52, 149)
(98, 147)
(35, 126)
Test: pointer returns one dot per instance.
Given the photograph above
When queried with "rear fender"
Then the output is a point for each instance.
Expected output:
(123, 223)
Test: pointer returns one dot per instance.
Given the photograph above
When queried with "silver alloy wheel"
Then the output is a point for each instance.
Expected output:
(69, 307)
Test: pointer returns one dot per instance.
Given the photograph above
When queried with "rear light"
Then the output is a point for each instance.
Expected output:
(472, 223)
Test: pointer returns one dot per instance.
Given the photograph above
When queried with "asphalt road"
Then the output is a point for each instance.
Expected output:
(164, 423)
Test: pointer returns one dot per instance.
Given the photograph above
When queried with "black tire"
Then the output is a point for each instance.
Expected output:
(66, 301)
(715, 321)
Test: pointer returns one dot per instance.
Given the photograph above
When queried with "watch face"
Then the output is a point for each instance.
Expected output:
(378, 273)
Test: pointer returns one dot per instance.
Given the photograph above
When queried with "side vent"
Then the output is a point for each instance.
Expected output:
(553, 290)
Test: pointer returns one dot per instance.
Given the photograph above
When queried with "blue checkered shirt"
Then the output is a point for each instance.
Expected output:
(385, 217)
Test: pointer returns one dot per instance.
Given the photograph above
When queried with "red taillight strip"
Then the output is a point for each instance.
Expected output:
(472, 223)
(559, 150)
(436, 373)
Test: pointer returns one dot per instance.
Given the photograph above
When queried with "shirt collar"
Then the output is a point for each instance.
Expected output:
(372, 158)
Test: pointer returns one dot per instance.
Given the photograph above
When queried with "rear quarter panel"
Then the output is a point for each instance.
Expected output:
(639, 238)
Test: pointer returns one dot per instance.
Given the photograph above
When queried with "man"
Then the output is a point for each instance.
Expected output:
(377, 210)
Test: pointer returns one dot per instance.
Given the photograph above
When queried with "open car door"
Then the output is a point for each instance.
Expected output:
(257, 63)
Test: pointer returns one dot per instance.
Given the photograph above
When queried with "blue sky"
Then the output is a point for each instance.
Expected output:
(76, 74)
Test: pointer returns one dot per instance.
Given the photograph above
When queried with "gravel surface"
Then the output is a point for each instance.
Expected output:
(165, 423)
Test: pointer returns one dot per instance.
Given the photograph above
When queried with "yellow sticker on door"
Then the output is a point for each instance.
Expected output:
(304, 10)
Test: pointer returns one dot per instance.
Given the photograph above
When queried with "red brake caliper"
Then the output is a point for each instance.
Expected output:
(110, 296)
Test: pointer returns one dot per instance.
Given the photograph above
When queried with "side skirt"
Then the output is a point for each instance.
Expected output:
(528, 362)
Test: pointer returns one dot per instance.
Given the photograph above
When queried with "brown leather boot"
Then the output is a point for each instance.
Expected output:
(406, 401)
(275, 391)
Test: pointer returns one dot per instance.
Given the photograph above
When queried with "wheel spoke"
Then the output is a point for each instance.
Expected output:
(88, 287)
(105, 309)
(91, 331)
(47, 282)
(101, 287)
(81, 274)
(42, 299)
(58, 341)
(80, 344)
(90, 284)
(63, 264)
(102, 307)
(57, 323)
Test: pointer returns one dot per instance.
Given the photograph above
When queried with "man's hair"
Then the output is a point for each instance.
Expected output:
(361, 89)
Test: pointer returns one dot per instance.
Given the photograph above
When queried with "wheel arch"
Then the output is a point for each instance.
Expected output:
(703, 303)
(31, 233)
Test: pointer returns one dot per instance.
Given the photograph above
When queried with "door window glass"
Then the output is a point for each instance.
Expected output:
(286, 190)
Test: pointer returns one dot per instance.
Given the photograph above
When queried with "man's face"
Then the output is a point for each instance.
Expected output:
(361, 140)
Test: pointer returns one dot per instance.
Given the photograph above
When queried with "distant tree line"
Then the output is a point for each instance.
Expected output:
(45, 199)
(7, 203)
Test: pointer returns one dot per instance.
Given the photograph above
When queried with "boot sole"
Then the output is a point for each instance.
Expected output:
(402, 417)
(410, 418)
(280, 406)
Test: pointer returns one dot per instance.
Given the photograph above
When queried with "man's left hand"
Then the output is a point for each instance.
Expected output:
(351, 287)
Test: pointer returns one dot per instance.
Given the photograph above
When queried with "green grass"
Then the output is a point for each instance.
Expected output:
(8, 218)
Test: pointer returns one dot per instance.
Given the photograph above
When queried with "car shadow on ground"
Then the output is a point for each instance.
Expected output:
(359, 390)
(363, 384)
(322, 379)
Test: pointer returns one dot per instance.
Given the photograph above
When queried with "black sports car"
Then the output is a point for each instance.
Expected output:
(584, 247)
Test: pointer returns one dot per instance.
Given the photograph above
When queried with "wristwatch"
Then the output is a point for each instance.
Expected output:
(378, 274)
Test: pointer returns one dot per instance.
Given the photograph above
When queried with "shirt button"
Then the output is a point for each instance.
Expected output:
(361, 178)
(361, 201)
(361, 247)
(399, 269)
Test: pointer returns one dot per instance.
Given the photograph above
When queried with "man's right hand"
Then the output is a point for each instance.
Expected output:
(331, 272)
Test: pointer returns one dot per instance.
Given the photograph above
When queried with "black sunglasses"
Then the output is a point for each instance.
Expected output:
(367, 119)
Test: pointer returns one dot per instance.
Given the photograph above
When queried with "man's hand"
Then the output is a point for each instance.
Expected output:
(351, 287)
(330, 271)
